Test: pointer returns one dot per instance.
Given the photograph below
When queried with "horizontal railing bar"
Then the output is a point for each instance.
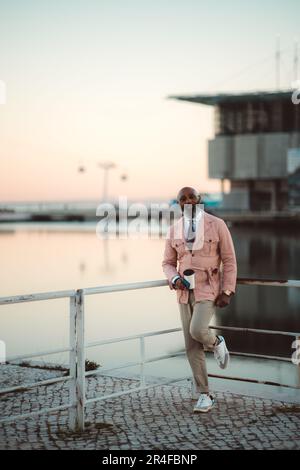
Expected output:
(35, 384)
(136, 389)
(36, 413)
(163, 357)
(261, 356)
(182, 353)
(131, 337)
(258, 356)
(161, 332)
(42, 353)
(153, 333)
(16, 299)
(131, 364)
(254, 330)
(262, 382)
(132, 286)
(127, 286)
(160, 283)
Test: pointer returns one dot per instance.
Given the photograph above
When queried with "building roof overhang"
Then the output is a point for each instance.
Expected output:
(223, 98)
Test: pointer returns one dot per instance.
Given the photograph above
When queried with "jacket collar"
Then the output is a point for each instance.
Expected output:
(202, 228)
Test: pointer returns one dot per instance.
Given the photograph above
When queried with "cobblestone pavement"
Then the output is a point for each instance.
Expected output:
(159, 418)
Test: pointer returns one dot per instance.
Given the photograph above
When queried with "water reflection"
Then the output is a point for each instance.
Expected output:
(67, 256)
(265, 254)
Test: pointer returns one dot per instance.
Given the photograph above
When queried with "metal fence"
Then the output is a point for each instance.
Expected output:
(77, 374)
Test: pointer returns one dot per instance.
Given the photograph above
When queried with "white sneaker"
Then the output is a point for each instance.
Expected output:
(204, 404)
(221, 353)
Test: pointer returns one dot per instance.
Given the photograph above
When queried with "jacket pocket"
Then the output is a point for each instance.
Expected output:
(210, 247)
(179, 246)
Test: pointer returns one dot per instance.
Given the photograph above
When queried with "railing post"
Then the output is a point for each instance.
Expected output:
(72, 363)
(298, 356)
(142, 353)
(80, 361)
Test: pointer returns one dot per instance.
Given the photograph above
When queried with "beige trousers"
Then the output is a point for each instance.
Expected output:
(195, 318)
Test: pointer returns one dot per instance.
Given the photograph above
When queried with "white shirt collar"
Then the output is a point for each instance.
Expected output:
(198, 216)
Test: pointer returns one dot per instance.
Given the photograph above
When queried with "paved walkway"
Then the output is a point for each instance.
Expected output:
(159, 418)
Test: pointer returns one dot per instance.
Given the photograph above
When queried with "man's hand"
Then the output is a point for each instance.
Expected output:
(179, 285)
(222, 300)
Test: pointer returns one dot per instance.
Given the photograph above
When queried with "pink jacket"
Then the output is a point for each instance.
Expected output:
(214, 263)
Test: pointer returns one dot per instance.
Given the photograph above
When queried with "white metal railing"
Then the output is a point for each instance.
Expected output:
(77, 374)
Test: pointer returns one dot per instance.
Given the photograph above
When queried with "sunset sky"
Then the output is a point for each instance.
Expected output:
(87, 81)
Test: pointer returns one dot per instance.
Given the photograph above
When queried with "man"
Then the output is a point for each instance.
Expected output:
(201, 242)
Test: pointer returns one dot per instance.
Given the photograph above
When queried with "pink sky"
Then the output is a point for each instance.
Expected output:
(89, 84)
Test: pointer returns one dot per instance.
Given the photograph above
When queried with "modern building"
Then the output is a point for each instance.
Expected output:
(254, 135)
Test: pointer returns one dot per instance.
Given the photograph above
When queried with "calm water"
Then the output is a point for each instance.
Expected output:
(47, 257)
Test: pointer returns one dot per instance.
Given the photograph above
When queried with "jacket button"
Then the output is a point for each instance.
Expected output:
(193, 254)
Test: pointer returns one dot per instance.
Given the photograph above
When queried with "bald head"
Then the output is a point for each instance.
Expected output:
(186, 193)
(188, 197)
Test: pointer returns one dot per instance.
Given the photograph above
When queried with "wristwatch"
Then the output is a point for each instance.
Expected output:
(227, 292)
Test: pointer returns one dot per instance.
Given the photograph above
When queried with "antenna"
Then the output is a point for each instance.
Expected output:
(277, 62)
